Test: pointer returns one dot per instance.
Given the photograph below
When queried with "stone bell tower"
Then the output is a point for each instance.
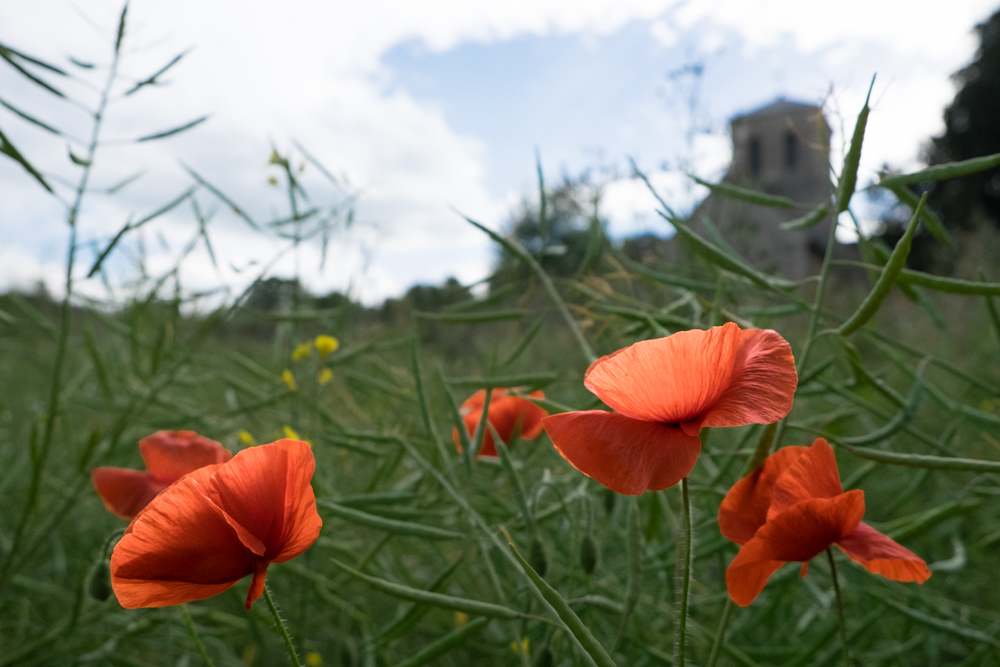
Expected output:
(778, 150)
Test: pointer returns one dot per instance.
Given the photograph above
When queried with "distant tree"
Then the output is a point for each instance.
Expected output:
(972, 129)
(569, 238)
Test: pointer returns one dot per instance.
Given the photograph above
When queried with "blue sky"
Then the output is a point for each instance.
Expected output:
(431, 107)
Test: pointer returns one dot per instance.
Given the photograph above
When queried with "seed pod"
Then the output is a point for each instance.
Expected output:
(99, 581)
(545, 659)
(609, 501)
(537, 558)
(588, 555)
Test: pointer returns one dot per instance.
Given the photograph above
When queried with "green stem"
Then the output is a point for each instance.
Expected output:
(720, 633)
(681, 636)
(194, 635)
(281, 628)
(840, 607)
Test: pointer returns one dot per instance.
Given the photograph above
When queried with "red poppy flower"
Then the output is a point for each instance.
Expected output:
(169, 455)
(793, 508)
(664, 391)
(505, 412)
(217, 525)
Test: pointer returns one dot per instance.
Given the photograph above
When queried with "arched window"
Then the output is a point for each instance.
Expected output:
(756, 157)
(791, 150)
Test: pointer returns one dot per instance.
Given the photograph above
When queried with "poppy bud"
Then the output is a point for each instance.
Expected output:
(609, 501)
(99, 581)
(588, 555)
(545, 659)
(536, 559)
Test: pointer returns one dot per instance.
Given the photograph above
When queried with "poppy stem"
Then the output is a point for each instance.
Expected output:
(194, 635)
(720, 634)
(685, 583)
(840, 607)
(281, 628)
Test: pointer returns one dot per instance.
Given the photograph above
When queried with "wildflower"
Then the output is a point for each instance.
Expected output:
(218, 524)
(247, 439)
(665, 391)
(168, 455)
(292, 434)
(793, 508)
(289, 380)
(325, 345)
(324, 376)
(506, 412)
(461, 618)
(302, 351)
(522, 648)
(314, 659)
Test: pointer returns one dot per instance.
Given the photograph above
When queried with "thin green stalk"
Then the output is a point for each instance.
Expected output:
(281, 628)
(720, 633)
(840, 607)
(194, 635)
(55, 390)
(685, 583)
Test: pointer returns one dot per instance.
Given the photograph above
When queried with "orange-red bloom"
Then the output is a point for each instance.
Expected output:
(169, 455)
(664, 391)
(793, 508)
(505, 413)
(217, 525)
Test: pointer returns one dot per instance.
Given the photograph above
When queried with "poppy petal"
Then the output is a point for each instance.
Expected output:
(762, 385)
(125, 492)
(798, 534)
(814, 474)
(880, 554)
(744, 509)
(507, 411)
(471, 421)
(670, 380)
(257, 585)
(265, 493)
(179, 549)
(169, 455)
(626, 455)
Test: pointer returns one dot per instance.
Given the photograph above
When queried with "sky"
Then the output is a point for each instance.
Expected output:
(413, 115)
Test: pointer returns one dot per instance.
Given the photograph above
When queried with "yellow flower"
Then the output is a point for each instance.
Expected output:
(289, 380)
(324, 376)
(325, 345)
(292, 434)
(314, 659)
(461, 618)
(247, 439)
(302, 351)
(522, 649)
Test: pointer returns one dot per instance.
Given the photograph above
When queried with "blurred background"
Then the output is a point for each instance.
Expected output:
(420, 113)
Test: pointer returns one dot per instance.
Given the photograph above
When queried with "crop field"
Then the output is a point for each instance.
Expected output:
(458, 533)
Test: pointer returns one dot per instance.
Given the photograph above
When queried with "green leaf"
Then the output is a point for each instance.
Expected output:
(9, 54)
(152, 80)
(949, 285)
(924, 460)
(450, 641)
(10, 151)
(746, 194)
(176, 130)
(930, 219)
(941, 172)
(30, 119)
(518, 485)
(472, 318)
(388, 525)
(418, 610)
(956, 629)
(530, 380)
(891, 271)
(727, 261)
(473, 607)
(809, 220)
(849, 172)
(568, 616)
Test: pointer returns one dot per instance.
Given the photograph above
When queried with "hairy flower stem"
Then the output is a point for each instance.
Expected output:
(281, 628)
(194, 635)
(685, 583)
(720, 633)
(840, 607)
